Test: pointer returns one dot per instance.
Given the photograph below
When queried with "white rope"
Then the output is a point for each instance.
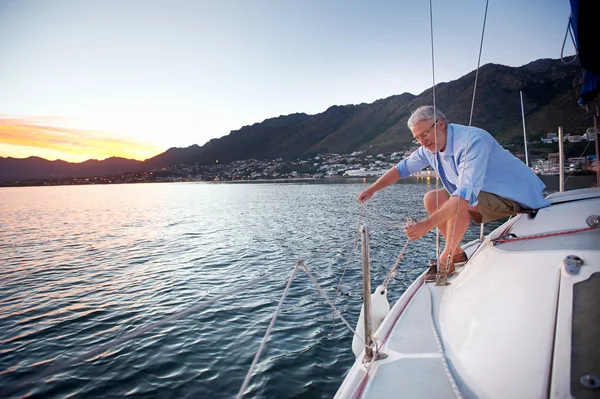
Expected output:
(385, 221)
(441, 347)
(451, 238)
(392, 272)
(127, 337)
(268, 332)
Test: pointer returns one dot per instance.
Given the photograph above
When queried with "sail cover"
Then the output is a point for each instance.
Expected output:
(584, 22)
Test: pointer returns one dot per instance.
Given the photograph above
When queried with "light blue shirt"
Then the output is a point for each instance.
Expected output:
(486, 166)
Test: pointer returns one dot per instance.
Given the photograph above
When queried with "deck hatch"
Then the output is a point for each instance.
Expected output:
(585, 336)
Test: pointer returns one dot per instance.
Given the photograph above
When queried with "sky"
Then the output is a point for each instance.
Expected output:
(89, 79)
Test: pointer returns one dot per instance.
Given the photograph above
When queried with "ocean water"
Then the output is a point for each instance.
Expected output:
(82, 266)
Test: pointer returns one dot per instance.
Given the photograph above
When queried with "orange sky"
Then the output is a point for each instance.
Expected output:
(45, 138)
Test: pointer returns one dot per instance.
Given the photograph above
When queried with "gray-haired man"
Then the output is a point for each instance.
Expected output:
(483, 181)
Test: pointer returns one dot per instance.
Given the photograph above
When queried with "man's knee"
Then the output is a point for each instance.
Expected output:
(435, 199)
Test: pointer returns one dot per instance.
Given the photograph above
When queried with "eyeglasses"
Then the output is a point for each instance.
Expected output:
(418, 139)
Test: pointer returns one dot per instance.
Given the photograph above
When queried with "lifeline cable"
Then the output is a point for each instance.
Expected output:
(346, 267)
(268, 332)
(318, 287)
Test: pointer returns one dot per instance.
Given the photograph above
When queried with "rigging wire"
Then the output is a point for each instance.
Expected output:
(451, 237)
(447, 261)
(437, 176)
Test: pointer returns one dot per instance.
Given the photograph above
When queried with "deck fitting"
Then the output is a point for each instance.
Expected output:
(572, 264)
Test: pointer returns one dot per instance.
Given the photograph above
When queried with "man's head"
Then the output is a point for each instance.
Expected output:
(429, 126)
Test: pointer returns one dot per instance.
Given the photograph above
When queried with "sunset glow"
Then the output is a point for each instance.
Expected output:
(94, 79)
(50, 139)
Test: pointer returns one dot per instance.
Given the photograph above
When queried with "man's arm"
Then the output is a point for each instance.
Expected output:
(390, 177)
(442, 215)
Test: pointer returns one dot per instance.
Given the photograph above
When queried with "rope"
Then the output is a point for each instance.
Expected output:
(268, 332)
(127, 337)
(509, 238)
(441, 347)
(392, 272)
(345, 245)
(569, 30)
(385, 221)
(448, 260)
(346, 267)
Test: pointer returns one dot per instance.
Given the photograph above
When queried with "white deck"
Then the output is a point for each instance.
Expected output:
(504, 320)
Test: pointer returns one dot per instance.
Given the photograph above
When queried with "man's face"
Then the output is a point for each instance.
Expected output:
(424, 133)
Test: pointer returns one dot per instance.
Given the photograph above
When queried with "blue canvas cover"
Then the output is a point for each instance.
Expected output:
(584, 21)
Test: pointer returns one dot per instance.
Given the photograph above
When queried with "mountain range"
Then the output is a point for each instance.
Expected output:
(550, 91)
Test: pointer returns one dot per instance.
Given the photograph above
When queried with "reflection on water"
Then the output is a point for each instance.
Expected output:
(84, 265)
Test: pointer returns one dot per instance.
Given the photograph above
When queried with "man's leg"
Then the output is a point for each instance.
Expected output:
(453, 235)
(434, 200)
(456, 228)
(432, 204)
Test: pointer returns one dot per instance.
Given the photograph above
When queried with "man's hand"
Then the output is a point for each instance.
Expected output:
(417, 230)
(365, 195)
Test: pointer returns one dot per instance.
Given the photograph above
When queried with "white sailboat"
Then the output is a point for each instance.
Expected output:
(520, 319)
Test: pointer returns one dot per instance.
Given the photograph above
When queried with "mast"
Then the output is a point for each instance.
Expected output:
(524, 131)
(561, 161)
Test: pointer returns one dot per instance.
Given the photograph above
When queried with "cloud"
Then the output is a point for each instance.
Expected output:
(50, 138)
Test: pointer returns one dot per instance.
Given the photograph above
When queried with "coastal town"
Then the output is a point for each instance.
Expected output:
(358, 164)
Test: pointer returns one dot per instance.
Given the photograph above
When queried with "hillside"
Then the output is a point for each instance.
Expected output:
(550, 91)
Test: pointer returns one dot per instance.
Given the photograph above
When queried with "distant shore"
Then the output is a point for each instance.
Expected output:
(551, 181)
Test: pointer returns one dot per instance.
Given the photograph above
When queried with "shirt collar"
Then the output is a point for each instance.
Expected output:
(449, 150)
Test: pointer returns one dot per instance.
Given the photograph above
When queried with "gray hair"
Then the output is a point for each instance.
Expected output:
(426, 113)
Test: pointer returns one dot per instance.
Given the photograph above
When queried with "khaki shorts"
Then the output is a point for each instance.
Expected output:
(493, 207)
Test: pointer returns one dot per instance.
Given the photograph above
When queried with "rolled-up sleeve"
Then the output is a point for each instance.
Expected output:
(471, 170)
(414, 163)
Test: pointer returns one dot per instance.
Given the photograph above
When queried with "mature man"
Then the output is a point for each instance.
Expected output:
(483, 181)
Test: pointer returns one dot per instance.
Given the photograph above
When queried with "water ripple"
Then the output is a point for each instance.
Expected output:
(86, 265)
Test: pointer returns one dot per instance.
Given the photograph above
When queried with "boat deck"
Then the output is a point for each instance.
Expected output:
(414, 360)
(514, 321)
